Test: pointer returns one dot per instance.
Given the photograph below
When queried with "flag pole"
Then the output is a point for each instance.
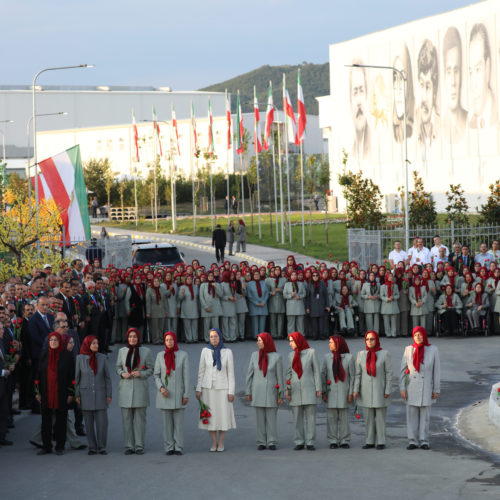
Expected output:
(281, 185)
(155, 133)
(136, 160)
(275, 194)
(287, 162)
(256, 144)
(228, 117)
(302, 196)
(173, 194)
(191, 154)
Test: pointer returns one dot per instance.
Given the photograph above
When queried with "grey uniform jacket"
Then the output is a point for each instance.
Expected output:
(294, 307)
(276, 302)
(387, 307)
(421, 384)
(207, 300)
(241, 304)
(455, 300)
(370, 306)
(156, 310)
(304, 389)
(173, 301)
(93, 389)
(263, 389)
(211, 378)
(189, 306)
(121, 290)
(134, 392)
(414, 310)
(228, 306)
(241, 233)
(338, 392)
(372, 389)
(177, 384)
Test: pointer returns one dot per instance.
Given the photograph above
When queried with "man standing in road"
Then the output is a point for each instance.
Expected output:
(219, 242)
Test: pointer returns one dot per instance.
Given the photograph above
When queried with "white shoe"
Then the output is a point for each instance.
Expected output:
(220, 449)
(213, 449)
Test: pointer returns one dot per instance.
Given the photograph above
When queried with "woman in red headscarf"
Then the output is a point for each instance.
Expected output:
(303, 388)
(134, 365)
(294, 294)
(210, 306)
(94, 393)
(419, 382)
(135, 304)
(171, 320)
(389, 308)
(241, 236)
(449, 307)
(337, 377)
(477, 307)
(56, 372)
(417, 297)
(156, 309)
(171, 377)
(276, 303)
(372, 389)
(190, 309)
(228, 303)
(264, 387)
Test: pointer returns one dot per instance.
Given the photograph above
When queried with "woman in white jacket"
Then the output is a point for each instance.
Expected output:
(216, 389)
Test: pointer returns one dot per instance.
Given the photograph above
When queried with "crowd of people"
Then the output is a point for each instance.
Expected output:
(57, 328)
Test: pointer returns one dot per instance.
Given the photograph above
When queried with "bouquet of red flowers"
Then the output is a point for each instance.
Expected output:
(204, 412)
(277, 387)
(17, 324)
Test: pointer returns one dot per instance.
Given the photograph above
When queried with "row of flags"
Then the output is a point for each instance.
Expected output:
(296, 128)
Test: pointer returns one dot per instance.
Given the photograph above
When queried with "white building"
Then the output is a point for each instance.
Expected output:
(451, 64)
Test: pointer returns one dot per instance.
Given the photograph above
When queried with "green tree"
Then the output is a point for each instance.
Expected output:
(98, 178)
(457, 207)
(490, 211)
(422, 206)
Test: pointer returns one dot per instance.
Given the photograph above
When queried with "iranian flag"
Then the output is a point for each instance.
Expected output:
(228, 118)
(301, 112)
(269, 118)
(291, 124)
(157, 129)
(174, 124)
(136, 136)
(62, 180)
(240, 130)
(193, 124)
(257, 134)
(211, 145)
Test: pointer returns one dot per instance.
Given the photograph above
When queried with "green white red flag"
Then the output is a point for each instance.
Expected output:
(301, 112)
(257, 134)
(228, 118)
(174, 125)
(291, 124)
(136, 136)
(157, 129)
(195, 135)
(239, 124)
(211, 145)
(269, 118)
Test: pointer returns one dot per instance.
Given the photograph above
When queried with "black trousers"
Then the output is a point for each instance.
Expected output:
(318, 327)
(59, 428)
(4, 408)
(450, 321)
(219, 254)
(35, 405)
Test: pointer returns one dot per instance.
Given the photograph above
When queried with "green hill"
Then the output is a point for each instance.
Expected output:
(315, 83)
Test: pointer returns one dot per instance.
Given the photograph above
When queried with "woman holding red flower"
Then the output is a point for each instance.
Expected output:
(419, 384)
(134, 366)
(171, 377)
(264, 386)
(337, 377)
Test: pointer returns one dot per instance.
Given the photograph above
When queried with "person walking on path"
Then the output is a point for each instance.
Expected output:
(230, 236)
(219, 242)
(241, 241)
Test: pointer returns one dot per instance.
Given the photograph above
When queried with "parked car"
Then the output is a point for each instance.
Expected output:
(157, 254)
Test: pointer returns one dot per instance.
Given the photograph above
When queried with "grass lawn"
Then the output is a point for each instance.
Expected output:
(316, 245)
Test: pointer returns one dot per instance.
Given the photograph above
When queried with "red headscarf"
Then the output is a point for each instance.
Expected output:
(258, 286)
(52, 386)
(169, 355)
(479, 296)
(301, 343)
(268, 347)
(418, 288)
(341, 348)
(371, 357)
(133, 358)
(85, 349)
(418, 353)
(449, 298)
(241, 222)
(389, 285)
(190, 287)
(344, 302)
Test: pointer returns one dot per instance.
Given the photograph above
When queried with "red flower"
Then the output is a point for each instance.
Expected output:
(317, 262)
(330, 256)
(328, 382)
(277, 386)
(12, 350)
(74, 382)
(288, 382)
(208, 414)
(144, 367)
(36, 382)
(407, 371)
(499, 389)
(133, 305)
(358, 416)
(205, 421)
(307, 263)
(19, 321)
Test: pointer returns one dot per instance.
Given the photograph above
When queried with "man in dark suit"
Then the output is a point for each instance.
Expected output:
(40, 325)
(219, 242)
(68, 306)
(94, 310)
(4, 404)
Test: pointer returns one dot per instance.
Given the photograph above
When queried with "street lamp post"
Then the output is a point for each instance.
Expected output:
(401, 75)
(3, 135)
(33, 88)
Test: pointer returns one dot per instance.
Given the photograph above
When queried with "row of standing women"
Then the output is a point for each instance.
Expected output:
(339, 381)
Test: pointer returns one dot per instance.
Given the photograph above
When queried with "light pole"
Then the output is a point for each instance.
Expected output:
(401, 75)
(33, 89)
(28, 126)
(3, 135)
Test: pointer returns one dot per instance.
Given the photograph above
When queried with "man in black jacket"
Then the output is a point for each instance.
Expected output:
(219, 242)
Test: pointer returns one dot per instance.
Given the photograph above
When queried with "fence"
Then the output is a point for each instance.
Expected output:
(374, 244)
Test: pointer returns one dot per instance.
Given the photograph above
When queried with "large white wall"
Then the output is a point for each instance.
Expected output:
(470, 157)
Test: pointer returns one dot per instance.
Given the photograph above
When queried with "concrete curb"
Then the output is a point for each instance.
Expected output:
(204, 248)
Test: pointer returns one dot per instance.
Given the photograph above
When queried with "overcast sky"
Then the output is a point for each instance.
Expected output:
(184, 44)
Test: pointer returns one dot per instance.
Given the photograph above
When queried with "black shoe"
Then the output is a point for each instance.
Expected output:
(139, 452)
(272, 447)
(381, 447)
(43, 451)
(425, 447)
(59, 452)
(178, 453)
(261, 447)
(368, 446)
(333, 446)
(310, 447)
(299, 447)
(15, 412)
(11, 425)
(6, 442)
(412, 447)
(36, 445)
(128, 452)
(345, 446)
(80, 447)
(169, 452)
(103, 452)
(80, 431)
(92, 452)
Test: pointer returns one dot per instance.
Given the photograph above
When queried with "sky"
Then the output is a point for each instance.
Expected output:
(184, 44)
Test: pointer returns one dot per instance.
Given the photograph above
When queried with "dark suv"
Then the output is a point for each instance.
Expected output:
(157, 254)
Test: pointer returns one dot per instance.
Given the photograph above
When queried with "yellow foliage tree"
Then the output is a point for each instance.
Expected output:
(19, 235)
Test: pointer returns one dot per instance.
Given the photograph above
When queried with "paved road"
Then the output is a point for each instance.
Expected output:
(451, 470)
